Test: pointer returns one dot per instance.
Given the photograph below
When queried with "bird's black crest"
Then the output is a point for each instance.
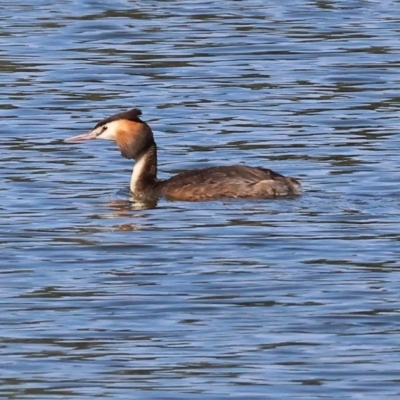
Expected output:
(131, 115)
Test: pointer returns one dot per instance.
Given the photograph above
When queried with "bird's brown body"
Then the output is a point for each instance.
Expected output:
(135, 140)
(236, 181)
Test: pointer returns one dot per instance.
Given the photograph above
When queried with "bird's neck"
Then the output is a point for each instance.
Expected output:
(144, 175)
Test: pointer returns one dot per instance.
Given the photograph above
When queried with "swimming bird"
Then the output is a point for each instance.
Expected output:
(135, 140)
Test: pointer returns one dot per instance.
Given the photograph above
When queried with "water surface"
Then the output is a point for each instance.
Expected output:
(296, 298)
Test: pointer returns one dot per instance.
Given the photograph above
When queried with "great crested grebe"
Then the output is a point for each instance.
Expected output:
(135, 141)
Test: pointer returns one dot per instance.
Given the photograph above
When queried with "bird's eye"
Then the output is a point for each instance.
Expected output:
(105, 128)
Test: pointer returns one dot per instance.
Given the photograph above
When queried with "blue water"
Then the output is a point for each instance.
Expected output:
(295, 298)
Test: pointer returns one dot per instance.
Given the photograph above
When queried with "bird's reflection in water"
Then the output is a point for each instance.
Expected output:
(123, 209)
(132, 204)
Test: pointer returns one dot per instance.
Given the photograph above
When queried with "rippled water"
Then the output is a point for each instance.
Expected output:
(295, 298)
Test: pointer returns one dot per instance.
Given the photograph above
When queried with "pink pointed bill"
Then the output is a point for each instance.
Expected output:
(81, 138)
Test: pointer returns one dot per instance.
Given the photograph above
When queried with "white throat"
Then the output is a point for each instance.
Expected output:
(137, 172)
